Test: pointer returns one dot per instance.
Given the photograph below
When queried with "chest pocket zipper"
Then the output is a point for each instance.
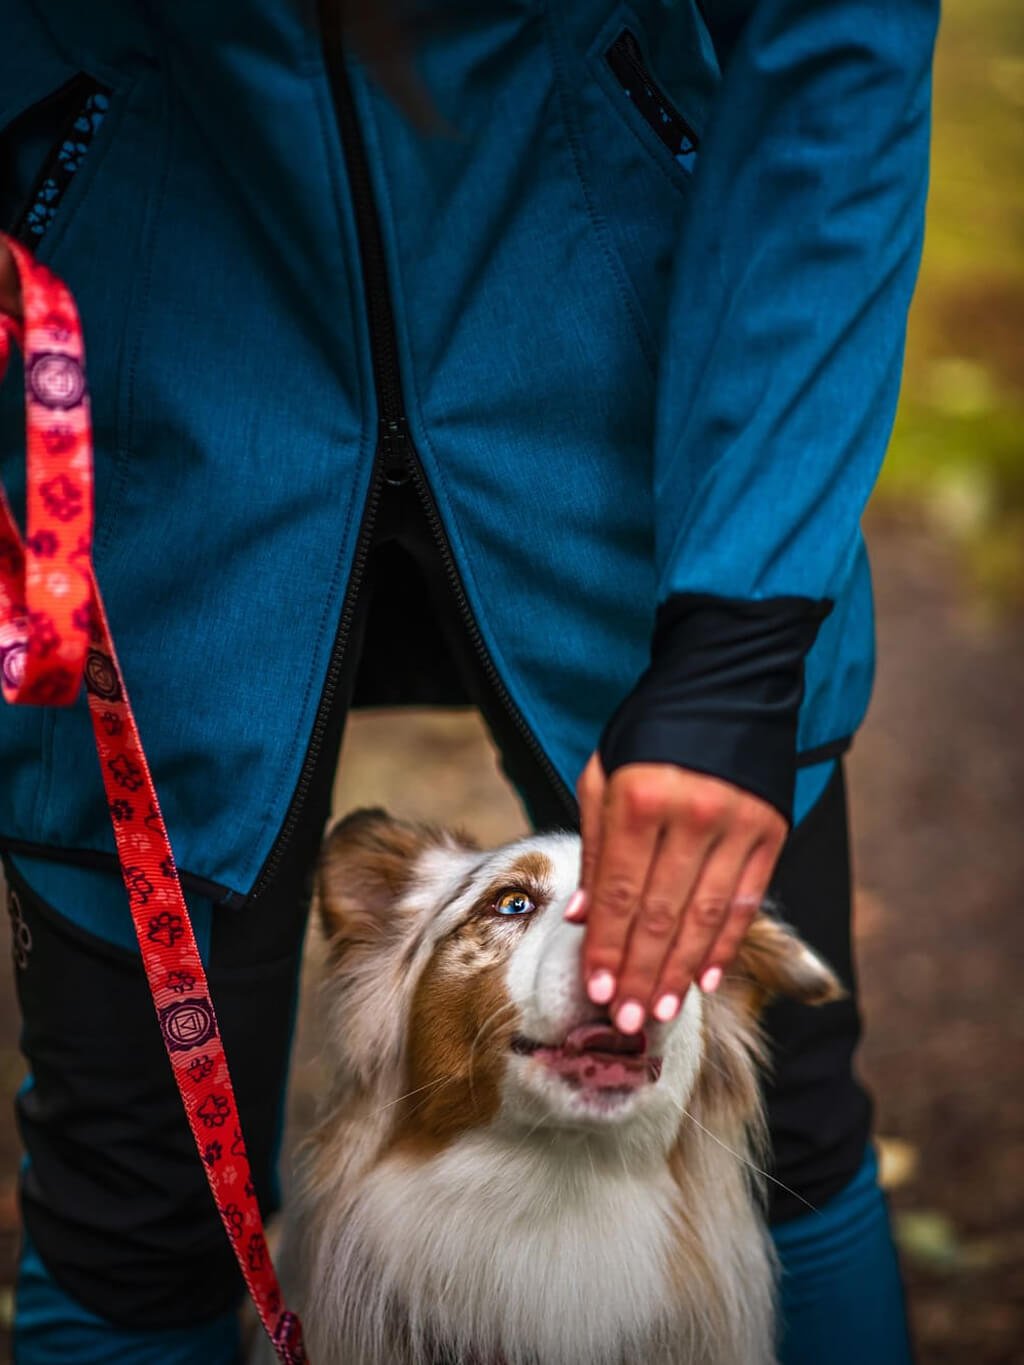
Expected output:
(62, 128)
(626, 62)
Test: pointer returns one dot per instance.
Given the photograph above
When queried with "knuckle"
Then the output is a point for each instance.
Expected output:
(642, 804)
(617, 897)
(705, 812)
(708, 912)
(658, 917)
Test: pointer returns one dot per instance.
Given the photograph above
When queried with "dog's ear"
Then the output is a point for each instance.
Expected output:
(366, 864)
(774, 961)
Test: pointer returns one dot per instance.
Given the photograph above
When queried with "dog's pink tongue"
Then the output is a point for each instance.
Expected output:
(598, 1057)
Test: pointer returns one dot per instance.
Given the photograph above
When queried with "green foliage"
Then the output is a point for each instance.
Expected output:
(958, 447)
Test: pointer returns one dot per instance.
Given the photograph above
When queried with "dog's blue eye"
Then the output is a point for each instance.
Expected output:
(514, 903)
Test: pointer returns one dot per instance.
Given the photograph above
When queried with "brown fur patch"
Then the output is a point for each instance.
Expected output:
(459, 1032)
(531, 873)
(461, 1022)
(771, 962)
(366, 865)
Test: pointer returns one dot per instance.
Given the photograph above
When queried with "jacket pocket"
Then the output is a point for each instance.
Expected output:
(42, 151)
(626, 61)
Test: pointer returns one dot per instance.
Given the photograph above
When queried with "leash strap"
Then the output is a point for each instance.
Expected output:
(53, 633)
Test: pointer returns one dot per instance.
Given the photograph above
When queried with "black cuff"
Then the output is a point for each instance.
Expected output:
(722, 694)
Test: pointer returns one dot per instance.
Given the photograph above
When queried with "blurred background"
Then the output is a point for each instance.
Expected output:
(937, 774)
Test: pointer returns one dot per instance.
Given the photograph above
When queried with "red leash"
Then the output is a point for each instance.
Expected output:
(54, 632)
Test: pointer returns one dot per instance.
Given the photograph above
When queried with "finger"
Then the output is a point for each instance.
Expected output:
(674, 874)
(703, 919)
(590, 790)
(628, 841)
(750, 892)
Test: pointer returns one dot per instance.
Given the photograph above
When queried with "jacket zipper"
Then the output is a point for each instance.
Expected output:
(395, 460)
(77, 110)
(625, 59)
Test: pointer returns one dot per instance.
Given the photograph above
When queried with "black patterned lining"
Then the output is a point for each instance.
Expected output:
(626, 62)
(82, 104)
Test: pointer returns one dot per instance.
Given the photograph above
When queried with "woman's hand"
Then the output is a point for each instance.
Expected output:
(10, 288)
(675, 865)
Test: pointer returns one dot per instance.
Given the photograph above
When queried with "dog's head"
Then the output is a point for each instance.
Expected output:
(456, 997)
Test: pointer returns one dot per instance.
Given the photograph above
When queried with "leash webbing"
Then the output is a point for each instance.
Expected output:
(53, 633)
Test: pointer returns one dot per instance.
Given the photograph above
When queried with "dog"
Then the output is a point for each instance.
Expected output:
(499, 1177)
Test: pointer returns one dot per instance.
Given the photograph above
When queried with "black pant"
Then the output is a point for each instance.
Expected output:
(115, 1199)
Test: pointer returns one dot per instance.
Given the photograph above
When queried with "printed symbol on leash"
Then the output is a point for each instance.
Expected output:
(257, 1252)
(288, 1340)
(187, 1024)
(180, 982)
(238, 1144)
(42, 634)
(121, 810)
(63, 498)
(214, 1111)
(138, 886)
(56, 380)
(112, 724)
(234, 1220)
(21, 934)
(126, 773)
(54, 686)
(165, 928)
(43, 543)
(212, 1153)
(101, 676)
(59, 440)
(83, 618)
(199, 1068)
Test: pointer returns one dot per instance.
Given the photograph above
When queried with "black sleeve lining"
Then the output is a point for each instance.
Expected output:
(722, 693)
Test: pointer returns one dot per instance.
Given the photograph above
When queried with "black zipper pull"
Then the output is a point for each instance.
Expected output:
(395, 451)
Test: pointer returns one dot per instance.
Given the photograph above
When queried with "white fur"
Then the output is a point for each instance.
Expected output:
(556, 1235)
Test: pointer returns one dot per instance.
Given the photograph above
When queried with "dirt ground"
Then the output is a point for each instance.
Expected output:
(937, 777)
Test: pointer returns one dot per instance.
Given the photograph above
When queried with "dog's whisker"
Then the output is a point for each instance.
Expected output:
(745, 1161)
(430, 1085)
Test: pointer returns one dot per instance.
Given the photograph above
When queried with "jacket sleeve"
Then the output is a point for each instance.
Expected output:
(779, 375)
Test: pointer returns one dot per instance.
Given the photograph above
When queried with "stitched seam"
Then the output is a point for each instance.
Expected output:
(339, 580)
(612, 259)
(437, 484)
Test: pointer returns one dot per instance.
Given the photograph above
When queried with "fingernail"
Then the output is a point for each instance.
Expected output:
(574, 909)
(711, 980)
(630, 1018)
(667, 1008)
(601, 987)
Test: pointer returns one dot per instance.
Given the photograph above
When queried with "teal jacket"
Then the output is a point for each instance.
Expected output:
(631, 314)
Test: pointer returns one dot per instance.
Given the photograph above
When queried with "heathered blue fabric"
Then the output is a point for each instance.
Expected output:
(625, 377)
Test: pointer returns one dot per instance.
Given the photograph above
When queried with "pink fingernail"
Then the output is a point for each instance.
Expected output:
(667, 1008)
(601, 987)
(574, 910)
(711, 980)
(630, 1017)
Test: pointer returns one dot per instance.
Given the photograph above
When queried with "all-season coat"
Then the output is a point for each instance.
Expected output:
(630, 314)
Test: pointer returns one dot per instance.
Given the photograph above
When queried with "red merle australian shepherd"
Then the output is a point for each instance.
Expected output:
(498, 1177)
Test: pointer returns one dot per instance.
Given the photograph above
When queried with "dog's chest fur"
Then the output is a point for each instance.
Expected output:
(472, 1194)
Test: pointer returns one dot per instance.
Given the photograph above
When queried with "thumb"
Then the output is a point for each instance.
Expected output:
(590, 794)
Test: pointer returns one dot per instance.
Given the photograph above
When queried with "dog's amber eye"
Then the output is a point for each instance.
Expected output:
(514, 903)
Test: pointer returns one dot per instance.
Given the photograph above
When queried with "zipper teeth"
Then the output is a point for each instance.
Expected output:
(84, 90)
(393, 432)
(296, 807)
(627, 47)
(473, 629)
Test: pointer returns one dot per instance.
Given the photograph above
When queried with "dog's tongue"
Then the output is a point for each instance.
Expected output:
(598, 1057)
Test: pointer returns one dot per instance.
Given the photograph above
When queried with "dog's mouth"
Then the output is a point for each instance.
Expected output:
(595, 1057)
